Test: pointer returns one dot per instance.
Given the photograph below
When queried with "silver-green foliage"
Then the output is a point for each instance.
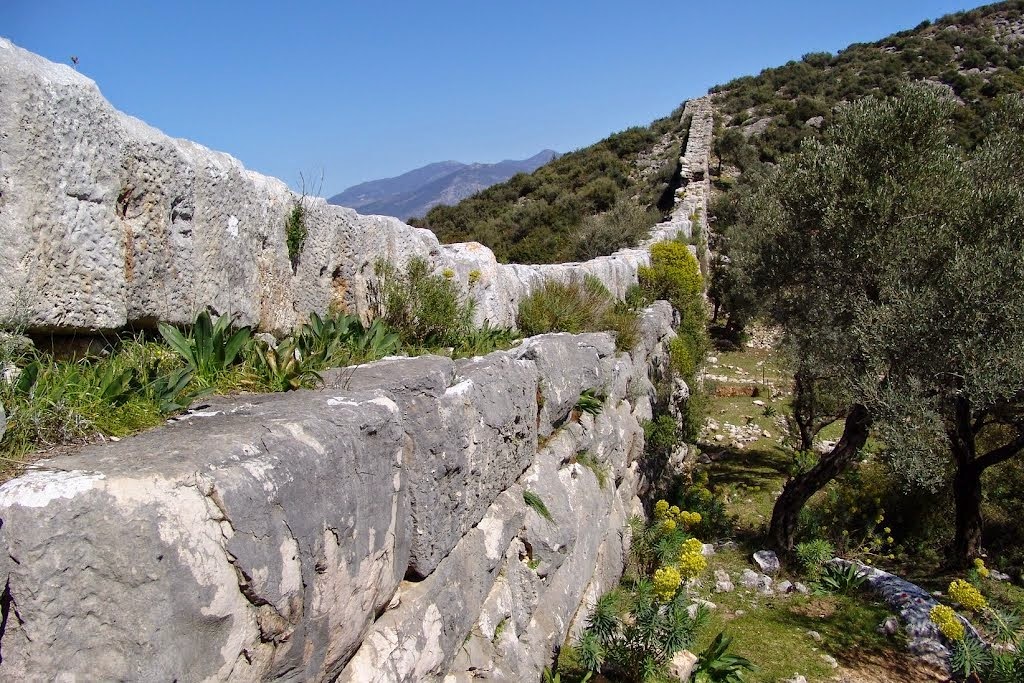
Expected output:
(892, 258)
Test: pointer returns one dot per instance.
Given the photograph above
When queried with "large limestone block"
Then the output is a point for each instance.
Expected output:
(472, 429)
(107, 222)
(568, 365)
(252, 544)
(418, 639)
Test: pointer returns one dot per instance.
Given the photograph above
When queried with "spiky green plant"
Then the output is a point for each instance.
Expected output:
(716, 665)
(210, 347)
(284, 368)
(590, 403)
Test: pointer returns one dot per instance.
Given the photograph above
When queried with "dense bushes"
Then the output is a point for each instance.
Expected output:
(579, 305)
(959, 53)
(674, 275)
(425, 308)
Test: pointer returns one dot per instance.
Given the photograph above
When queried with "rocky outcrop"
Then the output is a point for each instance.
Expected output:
(374, 530)
(108, 223)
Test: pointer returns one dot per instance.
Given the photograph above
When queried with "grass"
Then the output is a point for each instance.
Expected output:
(579, 305)
(590, 462)
(534, 501)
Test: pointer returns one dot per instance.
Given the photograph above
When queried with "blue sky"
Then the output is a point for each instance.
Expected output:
(364, 89)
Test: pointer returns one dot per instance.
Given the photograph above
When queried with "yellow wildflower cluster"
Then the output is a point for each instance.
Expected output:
(668, 525)
(664, 512)
(969, 597)
(691, 546)
(666, 583)
(979, 566)
(689, 519)
(946, 619)
(692, 565)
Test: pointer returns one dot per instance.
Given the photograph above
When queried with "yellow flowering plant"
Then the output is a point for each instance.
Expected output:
(967, 596)
(666, 583)
(946, 619)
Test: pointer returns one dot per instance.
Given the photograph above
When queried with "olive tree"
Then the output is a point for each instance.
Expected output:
(892, 259)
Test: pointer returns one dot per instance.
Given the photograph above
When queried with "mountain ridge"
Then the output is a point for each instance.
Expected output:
(415, 192)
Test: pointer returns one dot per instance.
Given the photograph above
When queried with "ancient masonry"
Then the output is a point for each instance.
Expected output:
(690, 213)
(106, 222)
(373, 530)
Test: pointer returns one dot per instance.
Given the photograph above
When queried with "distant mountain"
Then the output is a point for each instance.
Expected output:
(445, 182)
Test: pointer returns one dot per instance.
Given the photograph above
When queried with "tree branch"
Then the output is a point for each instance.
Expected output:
(1001, 454)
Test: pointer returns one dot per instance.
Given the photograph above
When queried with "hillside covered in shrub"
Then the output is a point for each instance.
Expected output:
(586, 203)
(603, 197)
(975, 56)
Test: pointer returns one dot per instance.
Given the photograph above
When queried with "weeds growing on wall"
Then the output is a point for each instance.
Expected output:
(424, 308)
(295, 232)
(576, 306)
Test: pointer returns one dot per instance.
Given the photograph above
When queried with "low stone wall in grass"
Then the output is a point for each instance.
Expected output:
(374, 530)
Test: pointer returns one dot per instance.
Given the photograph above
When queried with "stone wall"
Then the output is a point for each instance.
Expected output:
(106, 222)
(689, 214)
(374, 530)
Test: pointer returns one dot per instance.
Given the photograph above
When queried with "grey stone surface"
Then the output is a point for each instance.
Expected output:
(913, 605)
(750, 578)
(419, 639)
(768, 561)
(283, 524)
(567, 367)
(472, 430)
(108, 222)
(265, 537)
(255, 543)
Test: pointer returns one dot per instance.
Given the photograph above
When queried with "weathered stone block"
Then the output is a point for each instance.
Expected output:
(256, 543)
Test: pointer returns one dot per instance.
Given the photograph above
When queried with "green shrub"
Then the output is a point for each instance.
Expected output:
(674, 275)
(579, 305)
(715, 522)
(812, 555)
(295, 232)
(575, 306)
(426, 310)
(661, 435)
(623, 225)
(694, 412)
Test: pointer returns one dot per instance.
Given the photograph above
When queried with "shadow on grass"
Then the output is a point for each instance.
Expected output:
(747, 467)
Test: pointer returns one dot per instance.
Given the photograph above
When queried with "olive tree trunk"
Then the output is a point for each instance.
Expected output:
(799, 489)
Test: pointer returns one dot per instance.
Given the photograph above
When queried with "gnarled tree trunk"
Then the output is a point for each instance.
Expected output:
(800, 488)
